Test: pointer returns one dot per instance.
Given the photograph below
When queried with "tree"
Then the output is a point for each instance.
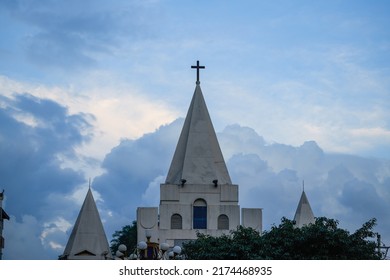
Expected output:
(127, 236)
(241, 244)
(321, 240)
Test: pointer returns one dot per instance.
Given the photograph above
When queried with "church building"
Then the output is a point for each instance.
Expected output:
(198, 194)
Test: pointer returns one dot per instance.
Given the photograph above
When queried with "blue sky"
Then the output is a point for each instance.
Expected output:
(297, 90)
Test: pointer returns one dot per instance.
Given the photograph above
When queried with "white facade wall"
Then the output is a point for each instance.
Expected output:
(177, 199)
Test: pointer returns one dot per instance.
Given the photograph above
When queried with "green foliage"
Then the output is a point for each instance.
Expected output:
(240, 244)
(321, 240)
(127, 236)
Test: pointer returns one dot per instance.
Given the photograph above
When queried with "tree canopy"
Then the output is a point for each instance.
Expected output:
(127, 236)
(322, 240)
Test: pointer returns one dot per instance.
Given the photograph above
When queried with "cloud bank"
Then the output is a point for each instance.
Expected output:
(349, 188)
(36, 137)
(45, 199)
(89, 73)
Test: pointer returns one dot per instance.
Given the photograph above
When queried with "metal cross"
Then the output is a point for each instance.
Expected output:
(197, 67)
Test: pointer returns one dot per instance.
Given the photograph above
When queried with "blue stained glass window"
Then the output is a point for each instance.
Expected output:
(200, 217)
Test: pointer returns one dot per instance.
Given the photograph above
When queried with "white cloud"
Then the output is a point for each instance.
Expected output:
(334, 98)
(374, 132)
(54, 233)
(151, 196)
(276, 74)
(59, 224)
(23, 239)
(269, 175)
(119, 111)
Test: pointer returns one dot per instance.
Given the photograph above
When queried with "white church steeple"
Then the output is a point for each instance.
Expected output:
(198, 158)
(198, 195)
(88, 240)
(303, 215)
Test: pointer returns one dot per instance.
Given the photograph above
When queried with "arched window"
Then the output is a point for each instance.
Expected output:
(223, 222)
(176, 221)
(200, 214)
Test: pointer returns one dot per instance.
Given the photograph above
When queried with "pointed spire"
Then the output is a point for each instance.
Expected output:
(303, 215)
(88, 239)
(198, 158)
(3, 214)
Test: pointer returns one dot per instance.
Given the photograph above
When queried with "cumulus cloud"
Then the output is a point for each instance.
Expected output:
(151, 195)
(349, 188)
(36, 135)
(112, 60)
(133, 164)
(23, 239)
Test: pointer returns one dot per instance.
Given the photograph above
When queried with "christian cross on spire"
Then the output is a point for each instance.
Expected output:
(197, 67)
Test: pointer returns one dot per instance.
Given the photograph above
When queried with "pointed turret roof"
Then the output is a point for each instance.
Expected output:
(88, 239)
(198, 158)
(3, 214)
(304, 215)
